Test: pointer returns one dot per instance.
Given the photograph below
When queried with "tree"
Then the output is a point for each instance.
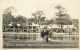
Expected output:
(38, 17)
(7, 16)
(21, 20)
(51, 21)
(42, 20)
(62, 17)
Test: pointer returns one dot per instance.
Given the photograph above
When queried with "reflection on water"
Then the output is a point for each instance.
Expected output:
(33, 40)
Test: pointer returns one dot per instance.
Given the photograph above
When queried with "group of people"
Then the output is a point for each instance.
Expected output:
(44, 35)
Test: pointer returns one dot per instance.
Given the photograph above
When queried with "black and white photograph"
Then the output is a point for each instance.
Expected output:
(40, 23)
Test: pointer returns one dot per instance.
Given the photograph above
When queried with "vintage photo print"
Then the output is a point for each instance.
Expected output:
(40, 23)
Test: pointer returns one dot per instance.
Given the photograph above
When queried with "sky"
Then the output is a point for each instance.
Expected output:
(27, 7)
